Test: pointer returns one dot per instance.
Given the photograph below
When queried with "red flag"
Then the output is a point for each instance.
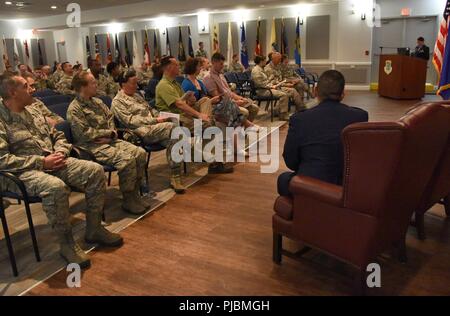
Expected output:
(108, 46)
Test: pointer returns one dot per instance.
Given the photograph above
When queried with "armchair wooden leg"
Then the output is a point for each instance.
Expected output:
(420, 225)
(401, 248)
(447, 205)
(277, 247)
(359, 283)
(12, 257)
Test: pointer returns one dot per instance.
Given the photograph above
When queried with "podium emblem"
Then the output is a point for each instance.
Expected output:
(388, 67)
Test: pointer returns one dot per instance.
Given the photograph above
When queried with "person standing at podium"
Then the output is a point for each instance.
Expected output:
(422, 50)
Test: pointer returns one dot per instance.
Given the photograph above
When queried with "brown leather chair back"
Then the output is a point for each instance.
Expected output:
(388, 166)
(439, 185)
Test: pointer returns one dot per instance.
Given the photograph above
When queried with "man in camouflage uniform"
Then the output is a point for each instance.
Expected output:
(133, 112)
(113, 71)
(145, 74)
(288, 73)
(64, 85)
(236, 66)
(39, 155)
(55, 76)
(261, 80)
(201, 51)
(46, 78)
(93, 129)
(38, 108)
(273, 72)
(104, 86)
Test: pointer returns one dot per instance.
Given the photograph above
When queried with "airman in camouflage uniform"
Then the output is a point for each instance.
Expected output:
(261, 80)
(133, 112)
(39, 155)
(94, 130)
(288, 73)
(145, 74)
(105, 86)
(273, 72)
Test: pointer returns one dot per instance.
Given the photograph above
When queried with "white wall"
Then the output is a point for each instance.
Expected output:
(392, 8)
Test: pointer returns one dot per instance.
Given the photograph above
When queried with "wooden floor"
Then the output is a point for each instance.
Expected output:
(217, 240)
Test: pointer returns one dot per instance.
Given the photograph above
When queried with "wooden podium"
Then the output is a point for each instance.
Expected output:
(402, 77)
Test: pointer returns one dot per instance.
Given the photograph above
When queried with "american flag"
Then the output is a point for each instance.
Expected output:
(441, 58)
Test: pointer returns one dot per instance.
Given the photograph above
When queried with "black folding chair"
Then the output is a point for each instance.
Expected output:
(44, 93)
(60, 109)
(270, 99)
(57, 99)
(27, 199)
(106, 99)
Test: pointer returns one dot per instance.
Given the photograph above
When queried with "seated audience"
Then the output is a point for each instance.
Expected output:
(313, 145)
(288, 73)
(273, 71)
(40, 156)
(112, 76)
(268, 88)
(169, 98)
(133, 112)
(44, 115)
(145, 74)
(93, 130)
(216, 84)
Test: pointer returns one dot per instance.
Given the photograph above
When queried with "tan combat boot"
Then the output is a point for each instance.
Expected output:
(132, 203)
(71, 252)
(175, 181)
(97, 234)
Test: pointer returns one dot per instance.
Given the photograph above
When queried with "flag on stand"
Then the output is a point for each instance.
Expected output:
(16, 55)
(284, 43)
(98, 57)
(117, 54)
(441, 59)
(27, 53)
(88, 50)
(258, 50)
(109, 57)
(181, 51)
(5, 55)
(298, 51)
(155, 45)
(191, 47)
(168, 51)
(40, 55)
(146, 48)
(244, 52)
(229, 47)
(273, 37)
(137, 60)
(216, 39)
(127, 52)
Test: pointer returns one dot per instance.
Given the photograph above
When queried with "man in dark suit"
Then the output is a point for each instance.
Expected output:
(313, 145)
(422, 50)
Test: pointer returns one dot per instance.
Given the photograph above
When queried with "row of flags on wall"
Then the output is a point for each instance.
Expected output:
(244, 54)
(131, 57)
(6, 63)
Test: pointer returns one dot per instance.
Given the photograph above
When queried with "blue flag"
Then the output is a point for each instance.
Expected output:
(298, 53)
(441, 57)
(190, 46)
(244, 51)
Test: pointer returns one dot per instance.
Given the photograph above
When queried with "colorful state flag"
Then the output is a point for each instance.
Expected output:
(244, 52)
(5, 58)
(273, 36)
(216, 39)
(284, 42)
(441, 59)
(98, 57)
(298, 50)
(118, 54)
(168, 51)
(109, 57)
(229, 46)
(156, 47)
(191, 47)
(146, 48)
(258, 50)
(127, 52)
(88, 50)
(137, 60)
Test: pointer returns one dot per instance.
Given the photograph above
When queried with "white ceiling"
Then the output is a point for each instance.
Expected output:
(41, 8)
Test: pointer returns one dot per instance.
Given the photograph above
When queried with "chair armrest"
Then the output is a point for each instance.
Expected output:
(17, 181)
(320, 190)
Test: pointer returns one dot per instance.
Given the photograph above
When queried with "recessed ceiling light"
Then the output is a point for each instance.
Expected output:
(54, 7)
(8, 2)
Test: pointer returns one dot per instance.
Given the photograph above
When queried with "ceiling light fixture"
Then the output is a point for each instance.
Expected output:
(8, 2)
(54, 7)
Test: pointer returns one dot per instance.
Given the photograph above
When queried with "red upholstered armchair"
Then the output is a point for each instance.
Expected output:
(438, 189)
(387, 167)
